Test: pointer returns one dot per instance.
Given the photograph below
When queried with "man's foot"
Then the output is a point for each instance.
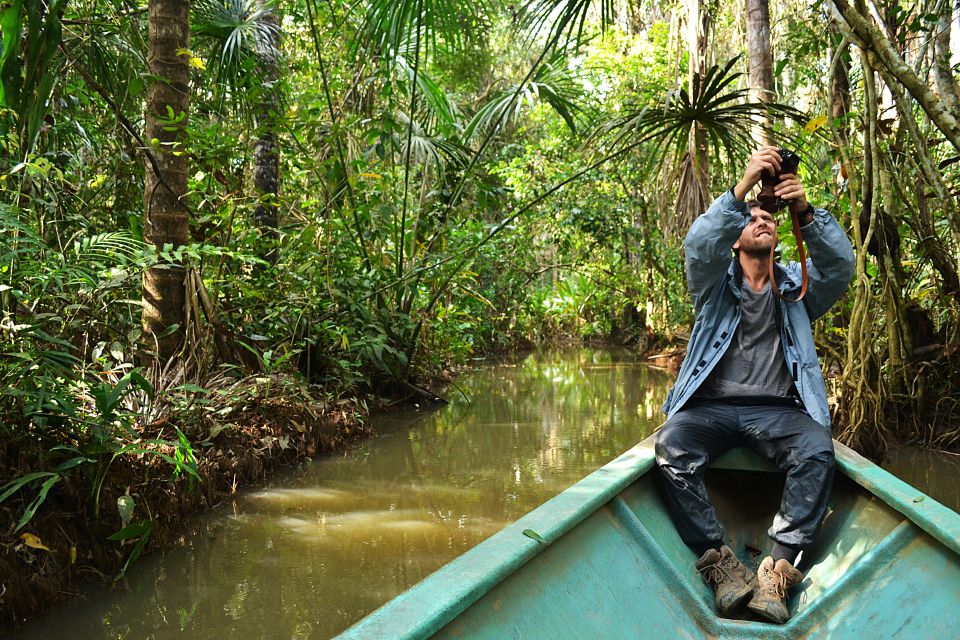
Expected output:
(728, 576)
(773, 581)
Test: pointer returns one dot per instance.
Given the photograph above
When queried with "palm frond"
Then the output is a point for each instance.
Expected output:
(106, 246)
(552, 84)
(240, 28)
(724, 115)
(388, 24)
(564, 19)
(442, 108)
(425, 149)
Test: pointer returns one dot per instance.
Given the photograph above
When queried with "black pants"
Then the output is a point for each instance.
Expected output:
(705, 430)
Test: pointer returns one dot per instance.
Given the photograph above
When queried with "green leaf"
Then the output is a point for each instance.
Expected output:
(15, 485)
(73, 462)
(10, 24)
(33, 506)
(131, 531)
(533, 535)
(125, 507)
(141, 529)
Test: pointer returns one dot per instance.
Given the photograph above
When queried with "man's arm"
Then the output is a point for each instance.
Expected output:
(710, 240)
(708, 244)
(831, 263)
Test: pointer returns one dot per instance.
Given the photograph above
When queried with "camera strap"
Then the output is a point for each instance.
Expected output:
(803, 262)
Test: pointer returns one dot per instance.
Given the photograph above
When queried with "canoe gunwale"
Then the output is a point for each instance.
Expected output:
(941, 522)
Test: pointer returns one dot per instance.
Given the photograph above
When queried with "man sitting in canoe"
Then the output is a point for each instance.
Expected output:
(751, 378)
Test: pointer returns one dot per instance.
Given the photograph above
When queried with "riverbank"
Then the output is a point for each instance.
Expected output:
(237, 439)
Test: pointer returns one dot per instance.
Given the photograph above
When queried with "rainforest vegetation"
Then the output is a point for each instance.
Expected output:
(228, 226)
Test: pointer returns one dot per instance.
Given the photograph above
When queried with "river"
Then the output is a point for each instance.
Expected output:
(318, 549)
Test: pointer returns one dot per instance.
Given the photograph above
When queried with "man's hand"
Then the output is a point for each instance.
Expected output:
(763, 160)
(791, 189)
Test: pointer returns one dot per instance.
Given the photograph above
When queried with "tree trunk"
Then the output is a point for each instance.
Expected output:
(165, 212)
(840, 86)
(868, 36)
(693, 192)
(761, 62)
(942, 72)
(266, 154)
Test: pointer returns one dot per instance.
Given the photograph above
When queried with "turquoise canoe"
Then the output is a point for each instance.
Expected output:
(602, 560)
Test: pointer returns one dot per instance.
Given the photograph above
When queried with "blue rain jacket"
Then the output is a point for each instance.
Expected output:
(714, 279)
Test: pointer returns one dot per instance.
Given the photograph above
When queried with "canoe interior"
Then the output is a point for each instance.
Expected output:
(623, 572)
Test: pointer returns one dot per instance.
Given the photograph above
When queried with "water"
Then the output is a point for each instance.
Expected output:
(315, 552)
(935, 473)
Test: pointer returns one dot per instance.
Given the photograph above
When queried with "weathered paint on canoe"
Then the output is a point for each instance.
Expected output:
(885, 564)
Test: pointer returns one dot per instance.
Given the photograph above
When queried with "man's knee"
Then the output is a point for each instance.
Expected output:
(818, 448)
(668, 442)
(678, 445)
(823, 459)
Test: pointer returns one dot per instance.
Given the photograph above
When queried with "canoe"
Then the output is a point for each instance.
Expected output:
(603, 560)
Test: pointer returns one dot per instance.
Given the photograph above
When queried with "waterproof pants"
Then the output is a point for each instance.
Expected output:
(704, 430)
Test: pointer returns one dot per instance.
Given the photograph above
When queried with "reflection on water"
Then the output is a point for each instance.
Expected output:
(935, 473)
(313, 554)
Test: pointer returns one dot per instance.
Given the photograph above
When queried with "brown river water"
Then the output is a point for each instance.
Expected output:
(317, 550)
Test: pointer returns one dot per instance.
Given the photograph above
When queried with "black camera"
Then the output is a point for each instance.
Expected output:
(789, 163)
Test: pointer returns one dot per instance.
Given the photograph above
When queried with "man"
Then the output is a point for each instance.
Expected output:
(751, 378)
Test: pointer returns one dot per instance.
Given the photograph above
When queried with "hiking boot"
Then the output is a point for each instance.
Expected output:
(729, 578)
(770, 595)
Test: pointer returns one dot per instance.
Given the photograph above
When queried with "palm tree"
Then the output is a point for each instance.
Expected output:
(266, 153)
(166, 216)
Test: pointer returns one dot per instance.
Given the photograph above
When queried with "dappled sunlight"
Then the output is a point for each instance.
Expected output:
(301, 497)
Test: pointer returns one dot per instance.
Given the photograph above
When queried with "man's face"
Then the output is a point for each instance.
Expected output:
(759, 235)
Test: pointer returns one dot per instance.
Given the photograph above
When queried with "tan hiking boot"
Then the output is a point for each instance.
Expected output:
(770, 596)
(728, 576)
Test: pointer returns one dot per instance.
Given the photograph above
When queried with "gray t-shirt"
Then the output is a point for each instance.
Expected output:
(753, 364)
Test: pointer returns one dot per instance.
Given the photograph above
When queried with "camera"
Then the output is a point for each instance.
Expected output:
(789, 162)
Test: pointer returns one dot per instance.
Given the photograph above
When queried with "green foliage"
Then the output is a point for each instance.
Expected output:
(422, 145)
(31, 34)
(716, 107)
(139, 534)
(244, 36)
(553, 84)
(7, 490)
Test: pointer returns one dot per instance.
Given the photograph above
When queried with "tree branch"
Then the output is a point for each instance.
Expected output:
(870, 38)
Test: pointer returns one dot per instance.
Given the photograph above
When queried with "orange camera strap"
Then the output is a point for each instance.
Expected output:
(803, 262)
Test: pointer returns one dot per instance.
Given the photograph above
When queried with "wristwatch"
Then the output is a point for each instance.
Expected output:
(806, 217)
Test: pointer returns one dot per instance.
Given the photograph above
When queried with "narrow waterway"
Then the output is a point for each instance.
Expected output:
(318, 549)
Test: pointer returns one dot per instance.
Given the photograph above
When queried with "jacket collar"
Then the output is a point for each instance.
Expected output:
(784, 281)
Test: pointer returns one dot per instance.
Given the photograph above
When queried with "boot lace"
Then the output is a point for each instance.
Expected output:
(775, 584)
(720, 570)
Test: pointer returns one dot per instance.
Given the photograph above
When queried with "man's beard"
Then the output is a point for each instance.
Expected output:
(757, 247)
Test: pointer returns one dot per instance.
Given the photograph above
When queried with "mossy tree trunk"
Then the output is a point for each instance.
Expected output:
(166, 219)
